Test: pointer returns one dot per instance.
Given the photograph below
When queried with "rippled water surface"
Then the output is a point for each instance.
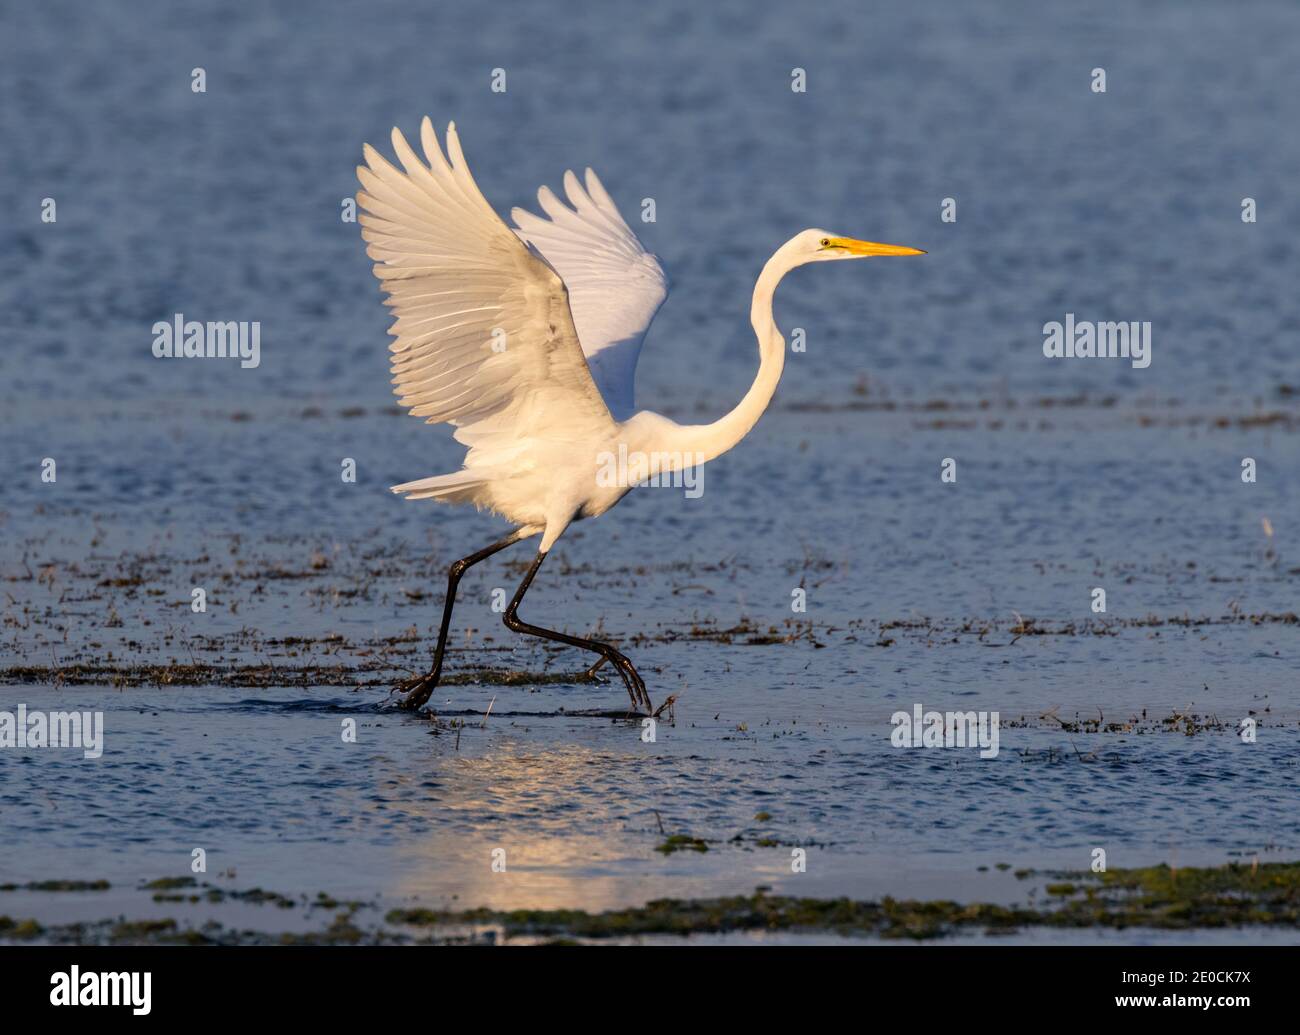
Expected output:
(972, 595)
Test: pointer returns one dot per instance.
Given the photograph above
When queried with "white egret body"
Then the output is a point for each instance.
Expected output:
(526, 341)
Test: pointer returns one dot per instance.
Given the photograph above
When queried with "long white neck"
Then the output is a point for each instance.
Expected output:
(706, 441)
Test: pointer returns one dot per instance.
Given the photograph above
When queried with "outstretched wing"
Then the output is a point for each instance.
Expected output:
(484, 337)
(615, 285)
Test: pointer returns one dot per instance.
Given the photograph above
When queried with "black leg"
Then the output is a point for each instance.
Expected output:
(631, 678)
(419, 690)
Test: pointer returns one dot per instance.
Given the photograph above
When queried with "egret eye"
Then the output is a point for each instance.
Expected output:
(825, 242)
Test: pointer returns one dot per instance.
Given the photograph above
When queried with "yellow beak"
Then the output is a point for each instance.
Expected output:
(871, 247)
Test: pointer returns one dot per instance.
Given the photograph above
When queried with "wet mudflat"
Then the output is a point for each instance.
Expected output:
(224, 730)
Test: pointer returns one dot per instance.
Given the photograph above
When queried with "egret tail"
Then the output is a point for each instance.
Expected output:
(460, 487)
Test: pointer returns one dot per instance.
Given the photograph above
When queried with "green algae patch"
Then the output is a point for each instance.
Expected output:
(141, 930)
(341, 931)
(59, 885)
(682, 843)
(1153, 897)
(1186, 898)
(19, 930)
(713, 916)
(1157, 897)
(258, 897)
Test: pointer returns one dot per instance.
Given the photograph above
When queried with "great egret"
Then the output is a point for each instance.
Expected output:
(526, 341)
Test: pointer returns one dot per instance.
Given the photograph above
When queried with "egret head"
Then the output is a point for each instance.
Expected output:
(822, 245)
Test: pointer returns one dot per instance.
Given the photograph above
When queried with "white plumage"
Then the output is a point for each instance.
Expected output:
(483, 336)
(615, 285)
(526, 341)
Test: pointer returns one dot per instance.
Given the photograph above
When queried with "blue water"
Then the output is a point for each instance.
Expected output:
(1072, 474)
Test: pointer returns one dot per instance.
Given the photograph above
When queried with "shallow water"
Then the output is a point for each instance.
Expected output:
(1071, 474)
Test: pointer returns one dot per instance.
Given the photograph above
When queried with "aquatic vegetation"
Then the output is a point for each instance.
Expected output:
(58, 885)
(126, 641)
(170, 883)
(682, 843)
(1155, 897)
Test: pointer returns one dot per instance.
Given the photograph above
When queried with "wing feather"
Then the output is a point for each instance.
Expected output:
(615, 285)
(484, 338)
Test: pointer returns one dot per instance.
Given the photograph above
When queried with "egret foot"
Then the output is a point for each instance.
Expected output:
(636, 685)
(631, 678)
(418, 690)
